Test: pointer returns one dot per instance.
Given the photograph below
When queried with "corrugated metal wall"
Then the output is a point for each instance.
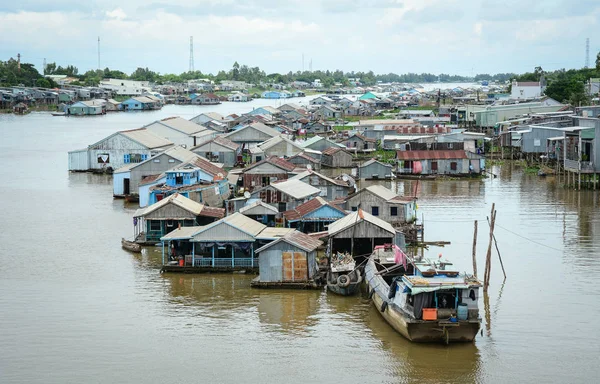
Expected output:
(271, 265)
(79, 160)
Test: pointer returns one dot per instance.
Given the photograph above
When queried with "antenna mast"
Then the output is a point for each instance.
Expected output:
(191, 69)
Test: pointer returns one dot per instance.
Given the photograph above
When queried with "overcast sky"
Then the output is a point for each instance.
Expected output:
(457, 37)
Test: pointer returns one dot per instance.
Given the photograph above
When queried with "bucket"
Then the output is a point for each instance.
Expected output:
(462, 312)
(181, 262)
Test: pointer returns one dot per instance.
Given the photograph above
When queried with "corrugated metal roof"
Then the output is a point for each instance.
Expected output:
(182, 125)
(182, 233)
(151, 178)
(276, 161)
(273, 233)
(183, 202)
(306, 173)
(276, 140)
(296, 188)
(207, 166)
(308, 207)
(225, 142)
(431, 155)
(259, 208)
(356, 217)
(297, 239)
(244, 223)
(146, 138)
(332, 150)
(372, 161)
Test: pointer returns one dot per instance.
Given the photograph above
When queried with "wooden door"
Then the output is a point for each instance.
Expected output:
(300, 267)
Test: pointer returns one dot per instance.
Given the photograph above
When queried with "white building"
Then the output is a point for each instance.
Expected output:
(126, 87)
(526, 90)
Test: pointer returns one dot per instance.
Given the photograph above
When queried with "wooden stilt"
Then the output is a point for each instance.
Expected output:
(488, 258)
(498, 250)
(475, 250)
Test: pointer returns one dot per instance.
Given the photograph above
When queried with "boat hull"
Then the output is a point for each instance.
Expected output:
(349, 290)
(420, 331)
(131, 246)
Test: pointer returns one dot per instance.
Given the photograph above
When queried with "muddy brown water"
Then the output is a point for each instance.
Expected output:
(75, 307)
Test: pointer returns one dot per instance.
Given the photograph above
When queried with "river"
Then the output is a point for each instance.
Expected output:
(76, 308)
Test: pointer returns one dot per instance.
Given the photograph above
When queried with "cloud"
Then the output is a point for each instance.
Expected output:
(117, 14)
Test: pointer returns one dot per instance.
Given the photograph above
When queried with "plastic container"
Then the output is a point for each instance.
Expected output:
(181, 261)
(462, 312)
(429, 313)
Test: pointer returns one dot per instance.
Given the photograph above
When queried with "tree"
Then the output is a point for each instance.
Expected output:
(235, 71)
(598, 62)
(43, 83)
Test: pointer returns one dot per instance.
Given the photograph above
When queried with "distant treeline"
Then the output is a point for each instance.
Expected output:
(563, 85)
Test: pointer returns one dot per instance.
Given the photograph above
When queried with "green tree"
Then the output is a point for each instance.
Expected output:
(43, 83)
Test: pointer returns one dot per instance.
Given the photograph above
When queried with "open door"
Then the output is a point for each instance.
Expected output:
(126, 186)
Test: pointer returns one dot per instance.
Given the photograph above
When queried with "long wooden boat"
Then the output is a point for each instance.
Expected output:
(436, 306)
(344, 283)
(131, 246)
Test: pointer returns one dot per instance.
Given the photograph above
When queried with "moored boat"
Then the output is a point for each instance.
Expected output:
(131, 246)
(343, 277)
(423, 301)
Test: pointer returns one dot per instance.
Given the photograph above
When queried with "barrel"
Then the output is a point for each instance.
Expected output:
(462, 312)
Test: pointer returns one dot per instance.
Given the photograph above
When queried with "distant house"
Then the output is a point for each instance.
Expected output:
(336, 157)
(119, 149)
(331, 189)
(289, 107)
(384, 204)
(305, 160)
(321, 143)
(220, 150)
(126, 179)
(327, 112)
(321, 100)
(238, 97)
(526, 90)
(264, 172)
(277, 146)
(266, 110)
(360, 143)
(206, 99)
(433, 162)
(374, 169)
(166, 215)
(205, 117)
(317, 127)
(180, 131)
(261, 212)
(139, 103)
(286, 194)
(291, 259)
(313, 216)
(82, 108)
(272, 95)
(252, 134)
(367, 96)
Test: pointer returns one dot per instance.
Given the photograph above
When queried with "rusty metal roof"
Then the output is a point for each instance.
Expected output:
(207, 166)
(332, 150)
(431, 155)
(298, 239)
(277, 161)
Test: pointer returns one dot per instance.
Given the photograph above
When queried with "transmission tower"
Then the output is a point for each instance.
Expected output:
(587, 52)
(98, 52)
(191, 69)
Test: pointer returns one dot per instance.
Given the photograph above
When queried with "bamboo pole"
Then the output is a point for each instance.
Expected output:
(475, 250)
(498, 250)
(488, 261)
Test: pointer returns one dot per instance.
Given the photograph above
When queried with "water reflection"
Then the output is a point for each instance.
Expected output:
(288, 312)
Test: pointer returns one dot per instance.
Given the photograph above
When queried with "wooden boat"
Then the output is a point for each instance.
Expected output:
(343, 277)
(131, 246)
(439, 308)
(58, 114)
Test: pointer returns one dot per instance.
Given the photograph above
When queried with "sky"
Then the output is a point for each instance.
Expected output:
(436, 36)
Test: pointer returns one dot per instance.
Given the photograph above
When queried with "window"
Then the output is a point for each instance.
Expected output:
(154, 225)
(393, 211)
(103, 158)
(375, 211)
(179, 179)
(354, 209)
(126, 158)
(434, 166)
(453, 165)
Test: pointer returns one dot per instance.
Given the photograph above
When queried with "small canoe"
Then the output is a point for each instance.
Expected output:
(58, 114)
(131, 246)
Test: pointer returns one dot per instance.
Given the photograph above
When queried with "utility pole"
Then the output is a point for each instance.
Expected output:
(19, 62)
(191, 68)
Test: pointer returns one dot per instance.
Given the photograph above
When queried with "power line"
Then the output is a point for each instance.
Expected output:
(528, 239)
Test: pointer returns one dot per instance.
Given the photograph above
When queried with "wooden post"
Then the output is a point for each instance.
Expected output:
(475, 250)
(498, 250)
(488, 261)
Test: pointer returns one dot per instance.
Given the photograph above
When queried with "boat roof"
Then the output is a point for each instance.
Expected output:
(420, 284)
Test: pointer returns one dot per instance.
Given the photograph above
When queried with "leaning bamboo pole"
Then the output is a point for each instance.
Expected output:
(488, 258)
(475, 250)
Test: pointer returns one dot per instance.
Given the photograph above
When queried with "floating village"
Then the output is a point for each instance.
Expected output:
(278, 191)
